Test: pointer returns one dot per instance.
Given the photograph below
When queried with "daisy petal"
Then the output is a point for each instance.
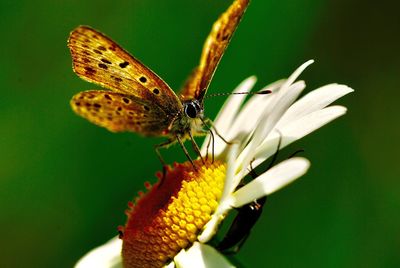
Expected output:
(271, 181)
(311, 122)
(275, 112)
(313, 101)
(268, 121)
(286, 96)
(249, 115)
(296, 130)
(211, 228)
(105, 256)
(230, 183)
(228, 112)
(297, 73)
(201, 256)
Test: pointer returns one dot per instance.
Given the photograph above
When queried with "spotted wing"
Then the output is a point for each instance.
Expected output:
(121, 112)
(98, 59)
(214, 47)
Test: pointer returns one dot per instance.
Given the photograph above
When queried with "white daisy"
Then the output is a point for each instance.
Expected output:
(170, 225)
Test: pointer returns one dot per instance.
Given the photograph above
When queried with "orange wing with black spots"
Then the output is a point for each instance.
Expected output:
(121, 112)
(214, 47)
(98, 59)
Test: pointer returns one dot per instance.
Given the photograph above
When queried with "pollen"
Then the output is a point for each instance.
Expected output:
(170, 216)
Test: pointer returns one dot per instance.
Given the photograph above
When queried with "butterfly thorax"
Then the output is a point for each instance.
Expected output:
(188, 119)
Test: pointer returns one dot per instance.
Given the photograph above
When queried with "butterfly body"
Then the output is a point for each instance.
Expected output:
(138, 100)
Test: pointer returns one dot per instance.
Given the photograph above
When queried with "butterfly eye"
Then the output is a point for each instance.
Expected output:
(190, 110)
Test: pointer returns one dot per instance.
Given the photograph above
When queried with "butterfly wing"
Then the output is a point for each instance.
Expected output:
(98, 59)
(214, 47)
(121, 112)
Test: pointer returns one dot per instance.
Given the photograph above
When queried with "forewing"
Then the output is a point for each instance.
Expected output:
(121, 112)
(214, 47)
(98, 59)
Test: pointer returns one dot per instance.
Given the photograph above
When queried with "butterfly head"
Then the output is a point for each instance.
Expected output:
(193, 109)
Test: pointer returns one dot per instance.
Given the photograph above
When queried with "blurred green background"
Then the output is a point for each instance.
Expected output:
(65, 183)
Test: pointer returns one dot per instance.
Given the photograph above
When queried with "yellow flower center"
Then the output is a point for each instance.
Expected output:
(170, 216)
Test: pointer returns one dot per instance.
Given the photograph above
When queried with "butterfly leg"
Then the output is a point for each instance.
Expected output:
(208, 121)
(178, 138)
(195, 146)
(164, 164)
(211, 141)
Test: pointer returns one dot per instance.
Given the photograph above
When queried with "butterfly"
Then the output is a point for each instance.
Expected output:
(138, 100)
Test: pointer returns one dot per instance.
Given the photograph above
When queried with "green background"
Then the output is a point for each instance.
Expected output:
(65, 183)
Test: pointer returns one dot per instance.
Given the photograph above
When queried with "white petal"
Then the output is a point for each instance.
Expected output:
(311, 122)
(201, 256)
(268, 121)
(271, 181)
(230, 183)
(297, 73)
(313, 101)
(296, 130)
(228, 112)
(277, 110)
(249, 115)
(105, 256)
(211, 228)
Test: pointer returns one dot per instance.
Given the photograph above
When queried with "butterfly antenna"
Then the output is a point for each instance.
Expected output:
(262, 92)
